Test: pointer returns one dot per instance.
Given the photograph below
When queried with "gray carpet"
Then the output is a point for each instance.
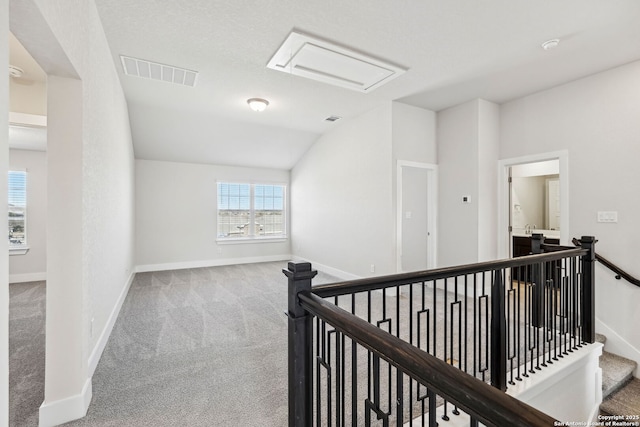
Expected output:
(625, 402)
(26, 352)
(200, 347)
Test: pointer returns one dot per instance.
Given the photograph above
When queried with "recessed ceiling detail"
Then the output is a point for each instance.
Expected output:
(155, 71)
(319, 60)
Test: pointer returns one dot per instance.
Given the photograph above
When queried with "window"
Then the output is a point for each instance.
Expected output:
(251, 211)
(17, 208)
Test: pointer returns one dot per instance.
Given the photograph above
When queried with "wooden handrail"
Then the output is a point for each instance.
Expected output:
(620, 273)
(483, 402)
(379, 282)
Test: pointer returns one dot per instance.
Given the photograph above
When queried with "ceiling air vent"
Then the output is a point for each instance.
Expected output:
(332, 118)
(315, 59)
(155, 71)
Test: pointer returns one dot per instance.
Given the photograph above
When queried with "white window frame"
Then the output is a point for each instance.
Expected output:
(21, 248)
(252, 237)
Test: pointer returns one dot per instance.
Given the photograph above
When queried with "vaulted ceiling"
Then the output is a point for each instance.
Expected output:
(454, 51)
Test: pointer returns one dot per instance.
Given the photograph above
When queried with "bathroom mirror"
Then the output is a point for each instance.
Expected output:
(535, 197)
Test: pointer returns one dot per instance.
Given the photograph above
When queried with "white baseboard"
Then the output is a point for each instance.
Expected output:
(618, 345)
(68, 409)
(210, 263)
(27, 277)
(94, 358)
(342, 275)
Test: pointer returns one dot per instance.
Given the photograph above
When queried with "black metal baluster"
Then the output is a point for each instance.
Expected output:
(338, 373)
(466, 326)
(319, 350)
(521, 325)
(354, 371)
(399, 379)
(411, 340)
(445, 415)
(329, 379)
(555, 287)
(484, 367)
(369, 356)
(424, 311)
(456, 304)
(574, 303)
(528, 352)
(510, 332)
(475, 335)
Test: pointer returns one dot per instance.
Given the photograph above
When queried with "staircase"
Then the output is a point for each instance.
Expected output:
(620, 390)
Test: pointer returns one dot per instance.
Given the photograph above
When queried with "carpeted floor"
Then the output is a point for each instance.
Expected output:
(196, 347)
(200, 347)
(26, 352)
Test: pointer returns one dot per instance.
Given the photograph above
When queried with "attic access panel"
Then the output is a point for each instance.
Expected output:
(319, 60)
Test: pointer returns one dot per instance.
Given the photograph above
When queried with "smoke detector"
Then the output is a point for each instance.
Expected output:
(15, 72)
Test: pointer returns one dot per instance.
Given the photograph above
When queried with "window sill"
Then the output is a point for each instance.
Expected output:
(22, 250)
(245, 240)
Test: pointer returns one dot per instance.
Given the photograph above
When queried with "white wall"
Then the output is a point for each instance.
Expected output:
(488, 150)
(90, 267)
(33, 265)
(341, 197)
(596, 120)
(176, 216)
(413, 133)
(467, 154)
(458, 174)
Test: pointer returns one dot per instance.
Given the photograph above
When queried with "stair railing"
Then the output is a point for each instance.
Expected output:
(620, 273)
(428, 344)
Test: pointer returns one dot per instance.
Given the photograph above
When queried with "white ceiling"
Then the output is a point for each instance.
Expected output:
(455, 50)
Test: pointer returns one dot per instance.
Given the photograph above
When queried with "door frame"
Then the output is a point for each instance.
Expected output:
(503, 196)
(432, 210)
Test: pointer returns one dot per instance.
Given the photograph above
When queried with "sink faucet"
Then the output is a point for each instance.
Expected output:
(527, 229)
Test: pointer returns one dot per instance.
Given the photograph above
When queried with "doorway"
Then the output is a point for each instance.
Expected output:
(548, 189)
(416, 216)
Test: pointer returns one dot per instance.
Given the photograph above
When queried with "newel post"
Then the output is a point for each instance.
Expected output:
(538, 276)
(498, 333)
(588, 301)
(300, 346)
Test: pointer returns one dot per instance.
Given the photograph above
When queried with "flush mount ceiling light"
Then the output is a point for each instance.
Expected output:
(258, 104)
(550, 44)
(15, 72)
(320, 60)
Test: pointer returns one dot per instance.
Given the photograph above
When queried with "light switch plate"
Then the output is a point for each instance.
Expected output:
(466, 199)
(607, 216)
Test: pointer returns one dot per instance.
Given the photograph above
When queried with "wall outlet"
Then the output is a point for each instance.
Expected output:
(466, 199)
(373, 268)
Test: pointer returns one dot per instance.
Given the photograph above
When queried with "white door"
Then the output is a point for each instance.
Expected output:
(414, 211)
